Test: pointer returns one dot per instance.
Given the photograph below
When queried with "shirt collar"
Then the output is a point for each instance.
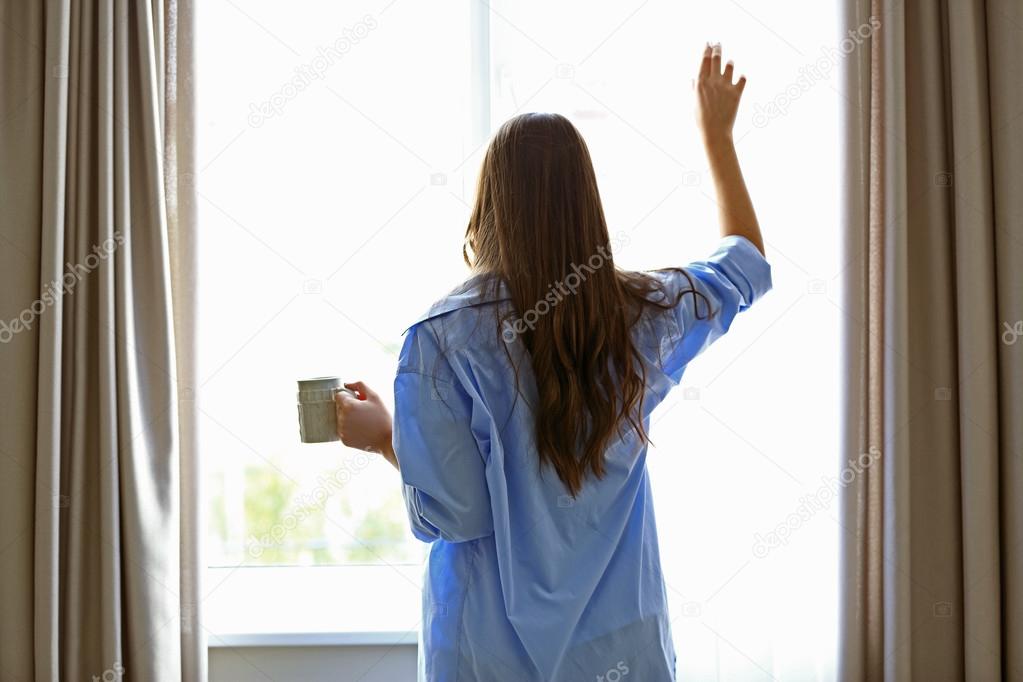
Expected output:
(477, 290)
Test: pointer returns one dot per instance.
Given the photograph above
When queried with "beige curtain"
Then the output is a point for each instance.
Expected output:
(932, 579)
(98, 479)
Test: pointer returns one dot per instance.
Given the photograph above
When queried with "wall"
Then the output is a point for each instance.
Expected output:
(314, 664)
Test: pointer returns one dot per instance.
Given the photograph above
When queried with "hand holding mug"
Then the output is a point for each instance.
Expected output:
(363, 421)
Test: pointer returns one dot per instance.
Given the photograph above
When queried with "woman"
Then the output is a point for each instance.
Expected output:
(522, 401)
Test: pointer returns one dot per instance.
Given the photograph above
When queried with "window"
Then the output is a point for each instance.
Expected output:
(339, 145)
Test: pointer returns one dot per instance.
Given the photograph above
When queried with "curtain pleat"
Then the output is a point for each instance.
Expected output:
(976, 388)
(180, 168)
(1005, 76)
(50, 498)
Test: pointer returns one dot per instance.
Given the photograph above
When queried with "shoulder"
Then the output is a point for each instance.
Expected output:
(475, 291)
(450, 321)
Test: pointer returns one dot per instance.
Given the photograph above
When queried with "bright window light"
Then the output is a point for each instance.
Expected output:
(339, 145)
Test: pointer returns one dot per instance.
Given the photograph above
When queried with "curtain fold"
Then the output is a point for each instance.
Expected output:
(100, 553)
(179, 178)
(931, 567)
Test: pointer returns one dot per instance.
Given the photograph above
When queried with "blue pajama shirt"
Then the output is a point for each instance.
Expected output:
(523, 582)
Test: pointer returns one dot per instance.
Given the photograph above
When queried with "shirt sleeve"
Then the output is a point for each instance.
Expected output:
(442, 467)
(728, 282)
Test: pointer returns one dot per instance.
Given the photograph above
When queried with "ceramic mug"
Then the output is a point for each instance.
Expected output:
(317, 416)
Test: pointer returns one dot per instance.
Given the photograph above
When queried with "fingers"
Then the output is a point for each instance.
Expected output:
(345, 401)
(339, 412)
(364, 391)
(705, 64)
(343, 405)
(711, 66)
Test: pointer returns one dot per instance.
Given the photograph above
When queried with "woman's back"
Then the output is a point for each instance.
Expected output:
(525, 581)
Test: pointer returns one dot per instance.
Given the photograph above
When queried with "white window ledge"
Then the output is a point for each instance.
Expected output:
(313, 605)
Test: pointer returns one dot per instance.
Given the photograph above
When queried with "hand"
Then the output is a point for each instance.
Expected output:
(717, 97)
(363, 422)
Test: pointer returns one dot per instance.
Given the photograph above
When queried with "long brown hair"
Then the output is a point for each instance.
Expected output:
(538, 224)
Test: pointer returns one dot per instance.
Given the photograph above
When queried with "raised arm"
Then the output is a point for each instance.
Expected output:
(717, 104)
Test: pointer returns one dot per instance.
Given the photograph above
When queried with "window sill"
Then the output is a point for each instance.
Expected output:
(289, 639)
(313, 605)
